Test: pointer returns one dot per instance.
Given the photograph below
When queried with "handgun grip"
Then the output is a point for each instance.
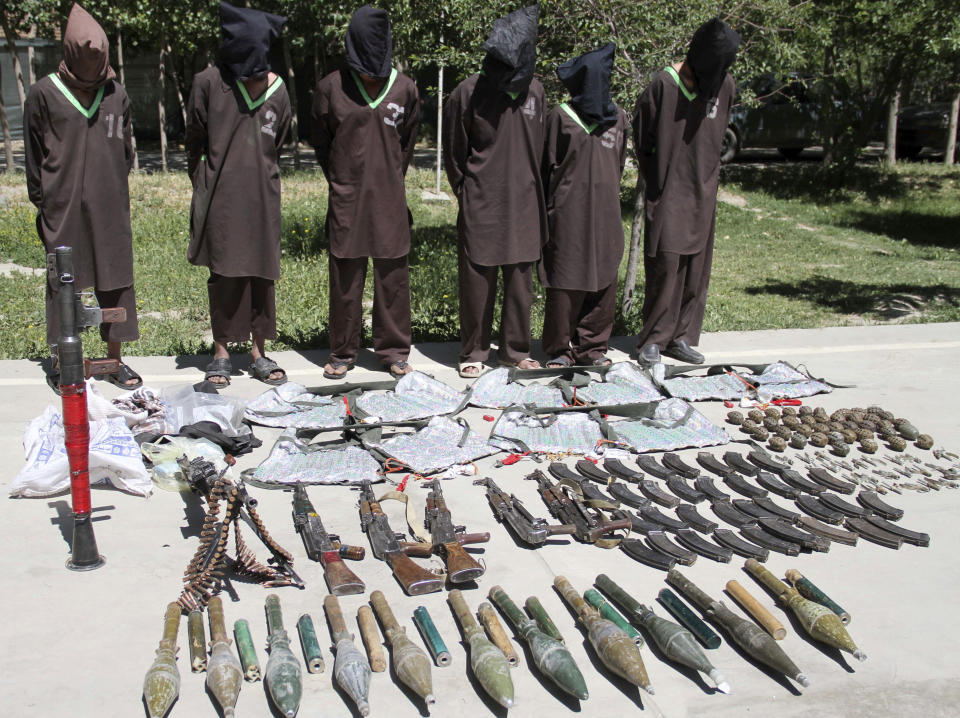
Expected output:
(414, 579)
(340, 579)
(473, 538)
(420, 549)
(561, 529)
(354, 553)
(461, 566)
(608, 527)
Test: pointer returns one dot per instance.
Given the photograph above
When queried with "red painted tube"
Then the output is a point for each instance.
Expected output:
(76, 431)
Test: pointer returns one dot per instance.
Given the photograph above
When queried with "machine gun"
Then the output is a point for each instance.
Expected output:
(590, 524)
(325, 548)
(448, 539)
(387, 546)
(510, 510)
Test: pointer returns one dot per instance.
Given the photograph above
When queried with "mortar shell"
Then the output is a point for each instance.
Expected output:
(311, 646)
(248, 654)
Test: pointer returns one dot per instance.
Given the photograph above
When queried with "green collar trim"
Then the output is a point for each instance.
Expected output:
(576, 118)
(683, 88)
(254, 104)
(383, 92)
(88, 113)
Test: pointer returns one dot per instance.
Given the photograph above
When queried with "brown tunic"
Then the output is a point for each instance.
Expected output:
(581, 174)
(364, 146)
(232, 153)
(493, 146)
(678, 143)
(77, 163)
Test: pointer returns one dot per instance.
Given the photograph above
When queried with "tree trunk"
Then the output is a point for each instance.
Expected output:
(17, 68)
(636, 247)
(162, 107)
(175, 76)
(292, 87)
(951, 150)
(827, 109)
(7, 139)
(120, 73)
(893, 109)
(31, 67)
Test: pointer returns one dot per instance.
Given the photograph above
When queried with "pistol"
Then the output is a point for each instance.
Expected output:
(388, 546)
(325, 548)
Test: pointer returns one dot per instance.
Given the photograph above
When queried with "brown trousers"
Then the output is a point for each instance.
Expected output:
(241, 307)
(478, 294)
(391, 308)
(675, 297)
(126, 331)
(577, 325)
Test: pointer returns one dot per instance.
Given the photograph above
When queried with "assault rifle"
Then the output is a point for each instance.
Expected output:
(388, 547)
(325, 548)
(590, 525)
(448, 539)
(509, 509)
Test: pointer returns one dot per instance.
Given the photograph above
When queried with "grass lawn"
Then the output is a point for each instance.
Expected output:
(800, 252)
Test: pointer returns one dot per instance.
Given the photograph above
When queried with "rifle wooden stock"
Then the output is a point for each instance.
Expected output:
(608, 527)
(461, 566)
(414, 579)
(417, 548)
(473, 538)
(340, 579)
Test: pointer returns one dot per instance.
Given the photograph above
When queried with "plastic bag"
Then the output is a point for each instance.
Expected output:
(187, 406)
(114, 458)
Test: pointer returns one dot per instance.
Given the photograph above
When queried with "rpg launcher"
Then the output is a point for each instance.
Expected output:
(590, 524)
(448, 539)
(387, 546)
(510, 510)
(325, 548)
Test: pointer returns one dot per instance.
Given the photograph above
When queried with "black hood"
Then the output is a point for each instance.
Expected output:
(712, 51)
(369, 42)
(512, 50)
(588, 80)
(247, 36)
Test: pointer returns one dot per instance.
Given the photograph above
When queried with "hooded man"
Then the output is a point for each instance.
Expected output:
(237, 119)
(678, 129)
(584, 155)
(493, 125)
(364, 127)
(79, 151)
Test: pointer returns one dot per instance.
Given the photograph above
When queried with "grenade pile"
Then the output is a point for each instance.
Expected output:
(842, 429)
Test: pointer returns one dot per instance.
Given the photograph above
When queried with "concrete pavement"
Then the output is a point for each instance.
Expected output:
(79, 644)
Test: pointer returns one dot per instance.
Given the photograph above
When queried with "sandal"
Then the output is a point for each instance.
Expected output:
(602, 361)
(525, 363)
(335, 367)
(470, 369)
(399, 369)
(122, 376)
(219, 368)
(263, 367)
(560, 362)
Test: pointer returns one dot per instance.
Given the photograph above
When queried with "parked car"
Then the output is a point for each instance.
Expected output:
(785, 119)
(923, 126)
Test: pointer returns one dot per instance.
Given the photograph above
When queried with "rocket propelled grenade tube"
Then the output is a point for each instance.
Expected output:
(431, 636)
(819, 621)
(161, 685)
(676, 642)
(488, 663)
(550, 656)
(411, 664)
(248, 654)
(749, 636)
(224, 674)
(688, 618)
(615, 648)
(283, 675)
(488, 618)
(808, 590)
(539, 614)
(607, 611)
(350, 667)
(311, 646)
(197, 641)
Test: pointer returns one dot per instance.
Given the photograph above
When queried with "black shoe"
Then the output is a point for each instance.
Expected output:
(650, 354)
(678, 349)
